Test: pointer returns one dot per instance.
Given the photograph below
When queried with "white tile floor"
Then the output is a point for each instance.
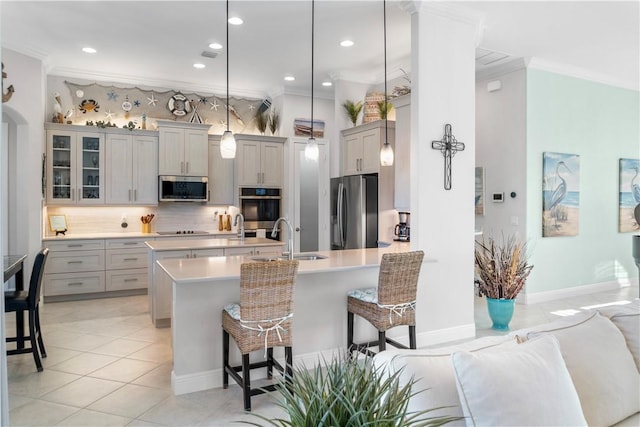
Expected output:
(108, 366)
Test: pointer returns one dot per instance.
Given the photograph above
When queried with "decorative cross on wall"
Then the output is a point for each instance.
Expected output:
(449, 146)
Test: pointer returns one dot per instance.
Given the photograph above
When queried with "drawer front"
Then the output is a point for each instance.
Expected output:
(74, 245)
(126, 243)
(263, 250)
(121, 280)
(239, 251)
(203, 253)
(118, 259)
(172, 254)
(74, 262)
(73, 283)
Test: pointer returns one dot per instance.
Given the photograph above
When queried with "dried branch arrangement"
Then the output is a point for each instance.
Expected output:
(501, 270)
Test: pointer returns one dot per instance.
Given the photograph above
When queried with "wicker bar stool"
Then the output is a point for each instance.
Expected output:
(261, 321)
(391, 304)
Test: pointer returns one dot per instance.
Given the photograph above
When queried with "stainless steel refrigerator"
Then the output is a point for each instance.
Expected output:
(354, 212)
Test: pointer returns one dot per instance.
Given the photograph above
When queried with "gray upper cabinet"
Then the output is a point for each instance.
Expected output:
(183, 149)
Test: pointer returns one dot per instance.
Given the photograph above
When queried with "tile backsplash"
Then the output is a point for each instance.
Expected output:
(168, 217)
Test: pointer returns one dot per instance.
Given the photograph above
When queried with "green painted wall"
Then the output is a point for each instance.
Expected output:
(601, 124)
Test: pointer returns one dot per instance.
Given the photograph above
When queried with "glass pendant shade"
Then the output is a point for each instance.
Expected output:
(311, 151)
(228, 145)
(386, 155)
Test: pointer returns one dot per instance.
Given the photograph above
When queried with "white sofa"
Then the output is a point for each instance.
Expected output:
(578, 370)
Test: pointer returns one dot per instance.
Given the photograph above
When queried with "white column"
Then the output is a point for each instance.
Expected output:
(443, 43)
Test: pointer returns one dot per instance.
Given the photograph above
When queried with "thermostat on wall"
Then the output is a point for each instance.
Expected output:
(498, 197)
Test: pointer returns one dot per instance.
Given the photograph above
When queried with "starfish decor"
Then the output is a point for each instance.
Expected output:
(448, 146)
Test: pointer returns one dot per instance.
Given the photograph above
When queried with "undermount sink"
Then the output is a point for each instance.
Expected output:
(308, 257)
(299, 257)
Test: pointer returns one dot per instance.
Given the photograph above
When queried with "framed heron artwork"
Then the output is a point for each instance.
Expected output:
(629, 195)
(560, 194)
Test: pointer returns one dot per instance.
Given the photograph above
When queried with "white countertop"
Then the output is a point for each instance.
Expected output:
(187, 244)
(128, 235)
(205, 270)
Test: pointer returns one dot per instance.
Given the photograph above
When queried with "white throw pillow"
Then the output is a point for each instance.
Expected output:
(627, 319)
(433, 372)
(601, 367)
(524, 385)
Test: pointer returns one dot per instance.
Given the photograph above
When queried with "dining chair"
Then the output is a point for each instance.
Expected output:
(262, 320)
(392, 303)
(29, 301)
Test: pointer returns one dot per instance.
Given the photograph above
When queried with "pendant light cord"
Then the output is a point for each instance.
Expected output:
(227, 65)
(313, 20)
(386, 107)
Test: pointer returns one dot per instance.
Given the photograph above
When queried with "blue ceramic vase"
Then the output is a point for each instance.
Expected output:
(500, 312)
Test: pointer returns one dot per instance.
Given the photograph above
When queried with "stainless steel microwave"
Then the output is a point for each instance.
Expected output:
(183, 188)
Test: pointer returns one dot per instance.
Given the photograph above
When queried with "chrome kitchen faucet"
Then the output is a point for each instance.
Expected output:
(274, 233)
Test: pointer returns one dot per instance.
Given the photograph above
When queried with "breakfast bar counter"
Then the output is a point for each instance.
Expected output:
(183, 249)
(203, 286)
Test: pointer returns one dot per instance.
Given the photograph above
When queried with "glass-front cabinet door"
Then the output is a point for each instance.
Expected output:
(90, 161)
(74, 167)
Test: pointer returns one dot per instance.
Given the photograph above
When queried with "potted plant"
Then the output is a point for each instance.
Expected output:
(347, 392)
(384, 107)
(353, 110)
(501, 272)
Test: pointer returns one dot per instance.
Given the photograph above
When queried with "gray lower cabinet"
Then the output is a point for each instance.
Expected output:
(95, 267)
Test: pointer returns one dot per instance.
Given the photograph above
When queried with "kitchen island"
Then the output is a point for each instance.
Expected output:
(160, 285)
(203, 286)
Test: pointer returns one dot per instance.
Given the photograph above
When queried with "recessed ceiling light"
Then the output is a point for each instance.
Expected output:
(327, 84)
(346, 43)
(289, 78)
(198, 65)
(216, 46)
(88, 50)
(235, 21)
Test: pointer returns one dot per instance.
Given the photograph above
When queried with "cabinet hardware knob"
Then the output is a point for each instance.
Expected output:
(130, 280)
(74, 262)
(75, 284)
(131, 259)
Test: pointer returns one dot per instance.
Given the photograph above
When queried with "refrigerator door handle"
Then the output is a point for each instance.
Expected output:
(341, 214)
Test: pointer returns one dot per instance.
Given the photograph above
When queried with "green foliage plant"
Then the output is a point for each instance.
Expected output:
(353, 110)
(384, 107)
(349, 393)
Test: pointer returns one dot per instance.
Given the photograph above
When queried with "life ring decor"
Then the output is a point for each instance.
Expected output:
(179, 105)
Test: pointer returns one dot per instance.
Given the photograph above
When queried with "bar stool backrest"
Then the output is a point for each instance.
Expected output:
(267, 289)
(398, 279)
(35, 283)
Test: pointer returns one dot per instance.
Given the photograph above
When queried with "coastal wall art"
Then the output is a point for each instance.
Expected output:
(560, 194)
(629, 195)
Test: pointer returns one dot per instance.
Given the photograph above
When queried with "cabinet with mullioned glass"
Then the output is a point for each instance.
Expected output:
(75, 165)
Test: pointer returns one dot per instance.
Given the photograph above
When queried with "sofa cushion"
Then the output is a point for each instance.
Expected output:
(601, 367)
(527, 384)
(433, 372)
(627, 319)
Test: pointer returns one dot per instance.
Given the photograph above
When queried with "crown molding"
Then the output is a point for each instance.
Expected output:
(502, 69)
(580, 73)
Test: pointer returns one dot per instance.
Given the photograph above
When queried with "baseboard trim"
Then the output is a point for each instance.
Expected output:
(198, 381)
(537, 297)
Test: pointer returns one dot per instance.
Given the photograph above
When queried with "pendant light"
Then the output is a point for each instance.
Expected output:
(228, 142)
(386, 152)
(311, 151)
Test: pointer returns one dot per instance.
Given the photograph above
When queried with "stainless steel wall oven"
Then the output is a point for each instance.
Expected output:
(260, 208)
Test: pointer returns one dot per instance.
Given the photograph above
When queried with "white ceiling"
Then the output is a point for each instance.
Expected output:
(155, 43)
